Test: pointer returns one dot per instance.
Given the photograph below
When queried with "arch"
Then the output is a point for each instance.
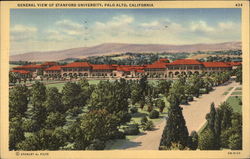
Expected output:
(189, 73)
(65, 75)
(176, 73)
(80, 74)
(196, 72)
(75, 74)
(183, 73)
(170, 74)
(85, 74)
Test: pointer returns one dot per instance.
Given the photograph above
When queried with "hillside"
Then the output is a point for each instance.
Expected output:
(116, 48)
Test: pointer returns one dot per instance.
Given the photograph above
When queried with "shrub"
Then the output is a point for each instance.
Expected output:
(96, 145)
(118, 135)
(133, 110)
(184, 102)
(132, 129)
(124, 117)
(149, 125)
(235, 142)
(154, 114)
(144, 120)
(240, 102)
(190, 98)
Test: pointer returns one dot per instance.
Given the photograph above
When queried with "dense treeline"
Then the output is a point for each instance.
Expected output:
(81, 116)
(85, 117)
(223, 131)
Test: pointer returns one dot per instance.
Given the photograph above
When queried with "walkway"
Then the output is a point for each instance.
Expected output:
(194, 115)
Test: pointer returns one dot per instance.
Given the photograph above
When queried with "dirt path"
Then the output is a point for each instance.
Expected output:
(194, 115)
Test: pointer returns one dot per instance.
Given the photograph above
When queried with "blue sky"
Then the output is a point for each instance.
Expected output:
(57, 29)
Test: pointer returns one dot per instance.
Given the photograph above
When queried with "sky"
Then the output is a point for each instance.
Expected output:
(58, 29)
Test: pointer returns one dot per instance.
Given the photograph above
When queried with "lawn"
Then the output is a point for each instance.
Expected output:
(225, 93)
(238, 89)
(229, 89)
(237, 93)
(234, 103)
(59, 86)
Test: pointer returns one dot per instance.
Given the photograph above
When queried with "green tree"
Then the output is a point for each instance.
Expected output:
(16, 132)
(99, 124)
(12, 78)
(235, 142)
(193, 140)
(55, 119)
(206, 140)
(44, 140)
(161, 105)
(38, 111)
(226, 115)
(164, 86)
(239, 74)
(18, 101)
(175, 130)
(71, 95)
(211, 117)
(53, 101)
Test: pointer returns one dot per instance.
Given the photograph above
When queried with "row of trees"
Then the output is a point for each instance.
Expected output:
(175, 134)
(224, 129)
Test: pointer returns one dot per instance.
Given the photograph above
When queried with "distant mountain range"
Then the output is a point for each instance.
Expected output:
(116, 48)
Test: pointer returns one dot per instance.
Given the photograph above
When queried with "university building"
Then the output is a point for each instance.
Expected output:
(162, 68)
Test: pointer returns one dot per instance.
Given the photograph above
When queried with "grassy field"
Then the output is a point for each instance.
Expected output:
(229, 89)
(225, 93)
(238, 89)
(234, 102)
(237, 93)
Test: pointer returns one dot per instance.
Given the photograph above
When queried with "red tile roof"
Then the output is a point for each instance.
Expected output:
(29, 67)
(156, 65)
(21, 71)
(234, 63)
(54, 68)
(78, 64)
(103, 67)
(215, 64)
(185, 62)
(127, 68)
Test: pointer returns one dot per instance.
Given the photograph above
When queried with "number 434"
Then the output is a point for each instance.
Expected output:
(238, 4)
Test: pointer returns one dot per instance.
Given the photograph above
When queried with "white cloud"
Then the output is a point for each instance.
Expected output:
(151, 24)
(67, 33)
(200, 26)
(227, 25)
(65, 30)
(115, 22)
(22, 32)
